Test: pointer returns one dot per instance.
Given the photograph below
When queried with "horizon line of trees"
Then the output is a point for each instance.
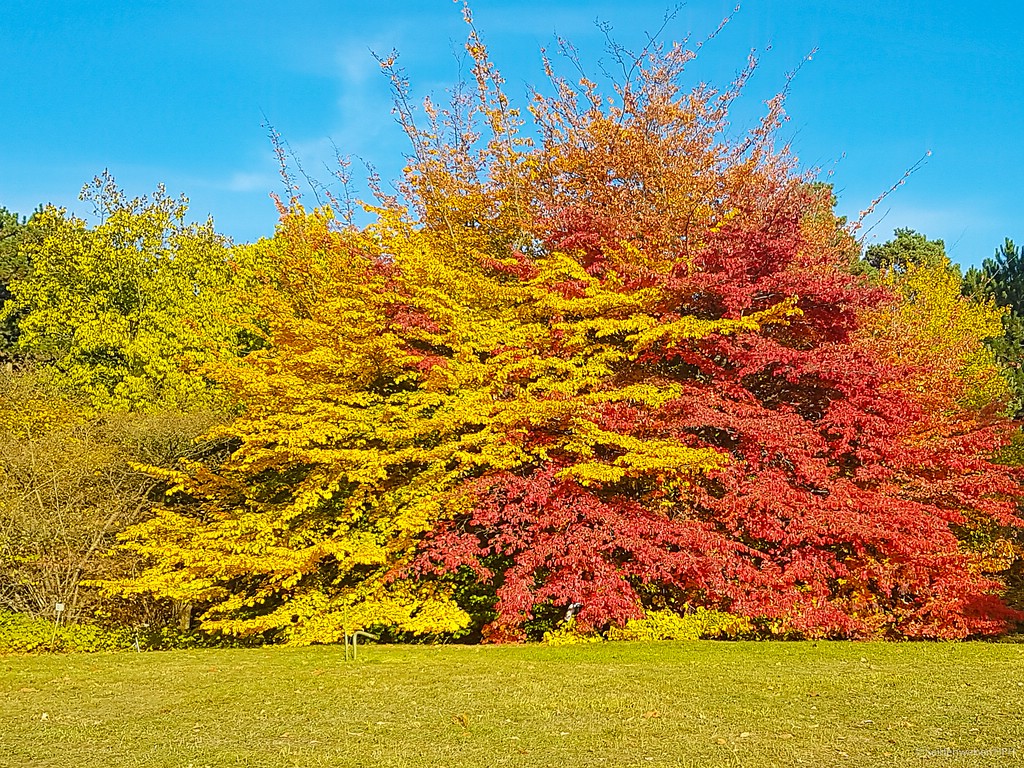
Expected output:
(88, 422)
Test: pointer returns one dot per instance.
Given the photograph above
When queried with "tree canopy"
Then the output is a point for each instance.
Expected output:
(626, 365)
(907, 248)
(129, 309)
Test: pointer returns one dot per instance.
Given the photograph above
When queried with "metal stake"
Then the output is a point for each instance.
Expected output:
(354, 638)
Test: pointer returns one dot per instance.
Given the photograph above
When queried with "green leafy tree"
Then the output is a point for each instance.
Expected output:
(128, 311)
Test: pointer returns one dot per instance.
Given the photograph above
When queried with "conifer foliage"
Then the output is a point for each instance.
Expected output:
(625, 364)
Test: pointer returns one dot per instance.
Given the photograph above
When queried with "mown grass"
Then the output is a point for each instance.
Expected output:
(612, 704)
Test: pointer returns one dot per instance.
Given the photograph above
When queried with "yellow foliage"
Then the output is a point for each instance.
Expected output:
(700, 623)
(938, 336)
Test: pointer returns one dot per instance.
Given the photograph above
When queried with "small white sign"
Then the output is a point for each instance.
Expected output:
(59, 607)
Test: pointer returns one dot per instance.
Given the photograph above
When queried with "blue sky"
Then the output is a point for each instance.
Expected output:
(175, 92)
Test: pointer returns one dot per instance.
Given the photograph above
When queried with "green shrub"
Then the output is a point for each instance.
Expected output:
(172, 638)
(24, 634)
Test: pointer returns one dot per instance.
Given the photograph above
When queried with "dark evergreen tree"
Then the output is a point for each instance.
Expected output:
(907, 247)
(13, 264)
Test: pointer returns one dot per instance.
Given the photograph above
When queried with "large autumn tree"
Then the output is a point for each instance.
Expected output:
(627, 364)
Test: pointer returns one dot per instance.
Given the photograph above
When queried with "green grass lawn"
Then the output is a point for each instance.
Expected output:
(611, 704)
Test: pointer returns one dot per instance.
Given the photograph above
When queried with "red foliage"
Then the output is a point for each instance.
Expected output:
(834, 517)
(836, 513)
